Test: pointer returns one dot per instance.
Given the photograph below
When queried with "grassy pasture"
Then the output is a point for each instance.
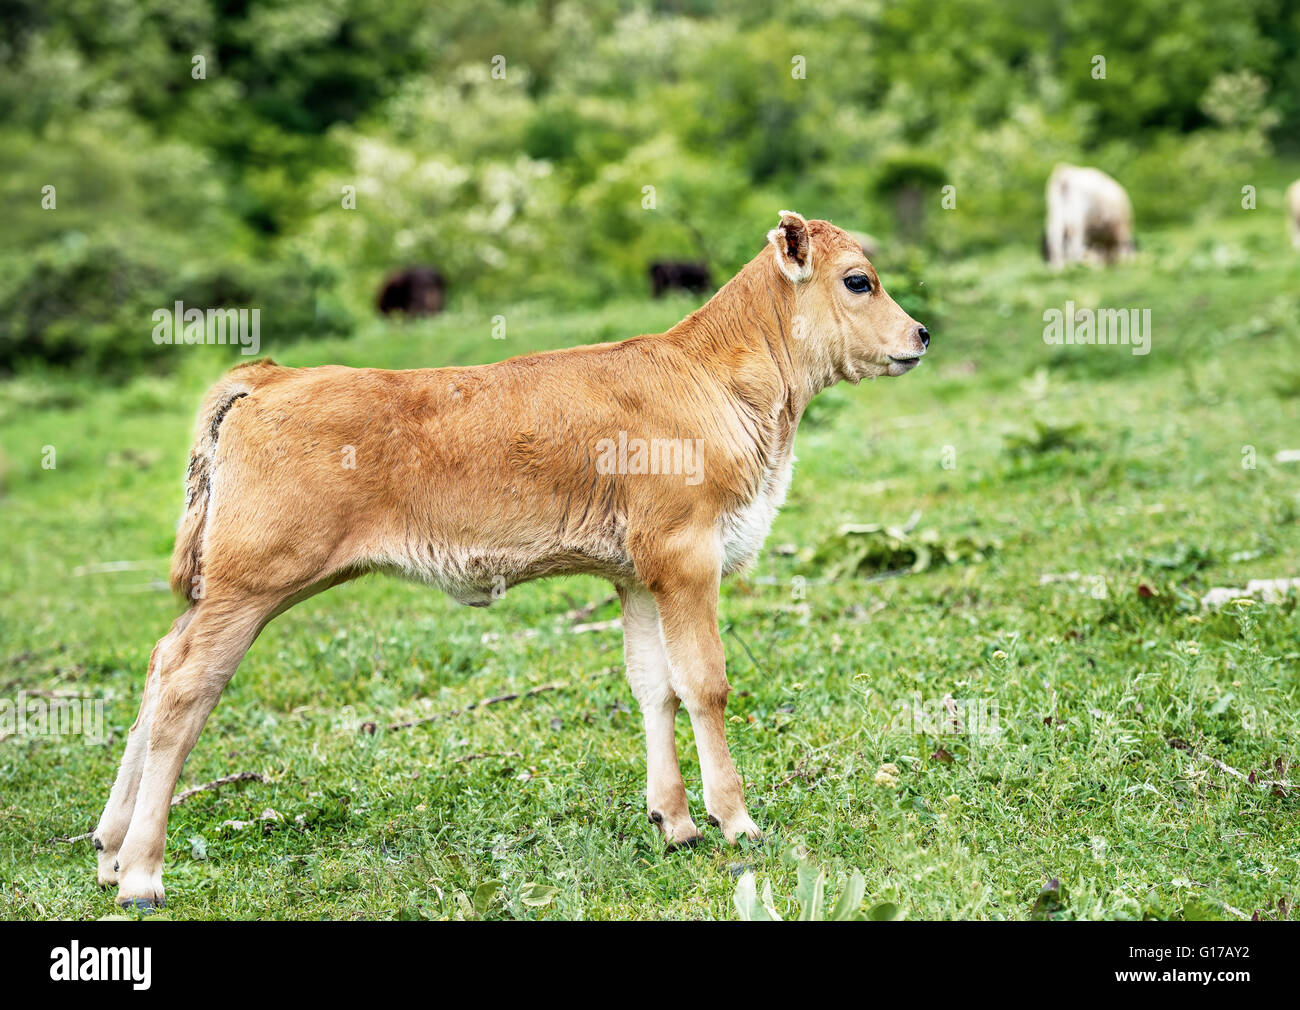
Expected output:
(1104, 491)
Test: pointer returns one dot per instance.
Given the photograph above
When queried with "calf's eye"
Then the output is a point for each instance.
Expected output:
(858, 283)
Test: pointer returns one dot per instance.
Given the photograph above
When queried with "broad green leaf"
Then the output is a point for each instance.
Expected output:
(1196, 911)
(483, 895)
(812, 893)
(745, 897)
(773, 914)
(748, 906)
(850, 900)
(886, 911)
(537, 895)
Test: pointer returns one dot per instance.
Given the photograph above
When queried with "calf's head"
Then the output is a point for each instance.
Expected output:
(845, 326)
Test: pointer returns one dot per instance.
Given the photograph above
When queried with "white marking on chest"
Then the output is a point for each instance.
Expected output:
(744, 530)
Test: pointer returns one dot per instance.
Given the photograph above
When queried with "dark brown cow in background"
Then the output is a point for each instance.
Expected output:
(413, 291)
(679, 275)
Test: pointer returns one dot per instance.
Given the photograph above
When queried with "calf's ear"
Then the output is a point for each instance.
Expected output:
(793, 250)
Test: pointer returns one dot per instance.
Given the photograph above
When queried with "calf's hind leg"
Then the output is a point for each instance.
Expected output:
(116, 818)
(201, 664)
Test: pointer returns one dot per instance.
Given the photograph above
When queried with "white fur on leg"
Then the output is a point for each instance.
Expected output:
(141, 885)
(647, 672)
(724, 794)
(115, 821)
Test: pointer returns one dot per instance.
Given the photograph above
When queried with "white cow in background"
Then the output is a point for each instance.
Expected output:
(1088, 216)
(1293, 213)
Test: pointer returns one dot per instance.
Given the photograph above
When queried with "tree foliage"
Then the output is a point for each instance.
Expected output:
(552, 149)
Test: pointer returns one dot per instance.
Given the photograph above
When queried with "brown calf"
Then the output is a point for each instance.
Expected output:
(657, 463)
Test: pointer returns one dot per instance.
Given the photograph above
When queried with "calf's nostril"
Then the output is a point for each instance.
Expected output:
(924, 334)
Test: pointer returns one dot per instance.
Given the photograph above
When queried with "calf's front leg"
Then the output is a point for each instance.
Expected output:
(647, 672)
(687, 597)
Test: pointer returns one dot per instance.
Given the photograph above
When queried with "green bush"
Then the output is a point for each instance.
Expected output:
(89, 302)
(514, 146)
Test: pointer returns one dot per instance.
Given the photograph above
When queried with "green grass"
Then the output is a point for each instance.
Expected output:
(1133, 473)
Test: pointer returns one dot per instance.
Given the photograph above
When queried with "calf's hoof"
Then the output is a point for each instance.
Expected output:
(735, 827)
(106, 873)
(679, 832)
(143, 905)
(140, 890)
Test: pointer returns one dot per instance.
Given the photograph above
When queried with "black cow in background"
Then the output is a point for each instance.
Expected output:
(679, 275)
(412, 291)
